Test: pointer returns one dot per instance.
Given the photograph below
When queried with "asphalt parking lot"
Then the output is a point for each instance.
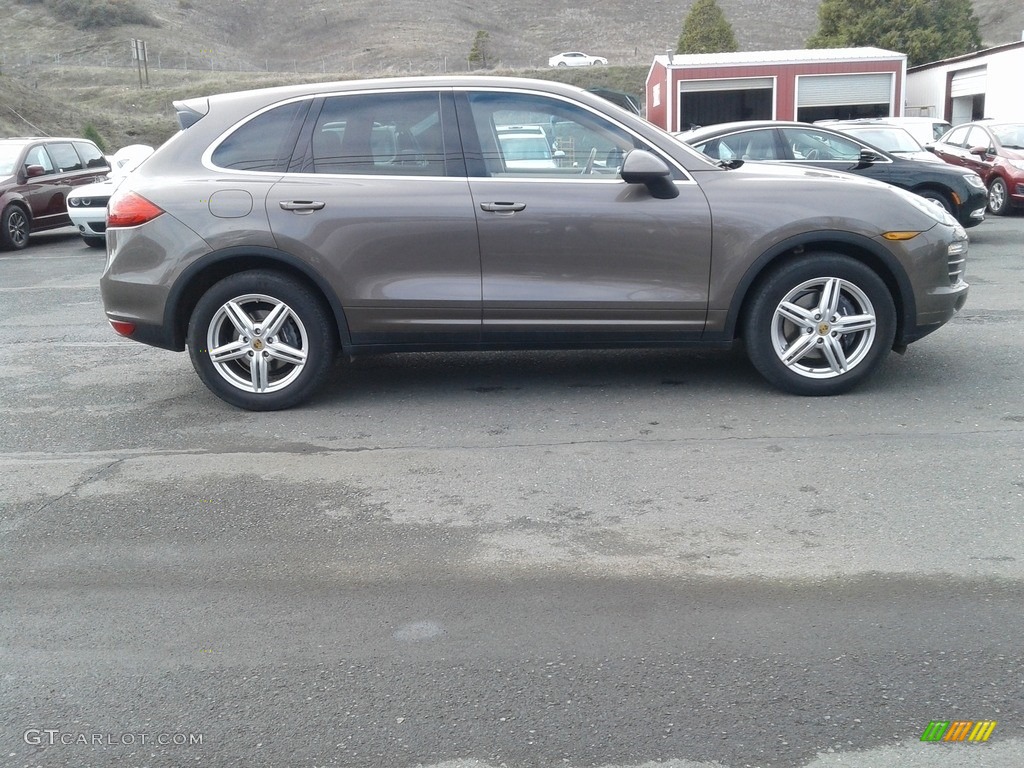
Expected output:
(521, 559)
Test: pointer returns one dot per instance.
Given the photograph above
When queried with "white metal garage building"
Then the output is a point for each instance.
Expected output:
(970, 87)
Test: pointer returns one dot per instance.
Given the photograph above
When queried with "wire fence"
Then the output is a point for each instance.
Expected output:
(14, 63)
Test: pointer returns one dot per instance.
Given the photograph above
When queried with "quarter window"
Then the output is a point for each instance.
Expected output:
(265, 143)
(90, 155)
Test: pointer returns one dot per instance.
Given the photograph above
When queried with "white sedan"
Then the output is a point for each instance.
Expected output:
(575, 59)
(87, 205)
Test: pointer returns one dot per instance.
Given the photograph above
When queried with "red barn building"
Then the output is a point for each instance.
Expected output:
(807, 85)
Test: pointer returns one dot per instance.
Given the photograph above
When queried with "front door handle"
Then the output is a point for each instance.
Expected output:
(502, 207)
(302, 206)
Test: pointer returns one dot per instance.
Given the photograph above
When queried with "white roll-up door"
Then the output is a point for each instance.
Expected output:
(968, 82)
(828, 90)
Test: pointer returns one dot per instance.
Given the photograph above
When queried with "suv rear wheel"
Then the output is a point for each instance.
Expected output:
(261, 340)
(819, 325)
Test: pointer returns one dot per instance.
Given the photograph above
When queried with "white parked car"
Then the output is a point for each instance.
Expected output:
(87, 205)
(526, 147)
(575, 59)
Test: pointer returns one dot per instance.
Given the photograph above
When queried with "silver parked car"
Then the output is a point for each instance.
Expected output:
(280, 227)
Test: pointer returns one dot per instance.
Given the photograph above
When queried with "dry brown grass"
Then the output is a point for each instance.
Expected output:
(60, 78)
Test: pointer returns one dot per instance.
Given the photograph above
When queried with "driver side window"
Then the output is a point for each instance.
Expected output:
(38, 156)
(535, 136)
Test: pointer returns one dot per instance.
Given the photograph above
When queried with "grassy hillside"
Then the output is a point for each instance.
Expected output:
(58, 77)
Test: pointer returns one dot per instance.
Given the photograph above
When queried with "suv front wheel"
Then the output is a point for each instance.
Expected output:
(820, 324)
(261, 340)
(14, 228)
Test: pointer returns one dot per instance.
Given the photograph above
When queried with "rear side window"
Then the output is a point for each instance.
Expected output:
(393, 134)
(265, 143)
(90, 155)
(65, 157)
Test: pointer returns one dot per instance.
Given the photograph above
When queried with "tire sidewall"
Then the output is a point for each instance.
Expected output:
(1006, 196)
(310, 309)
(6, 241)
(770, 292)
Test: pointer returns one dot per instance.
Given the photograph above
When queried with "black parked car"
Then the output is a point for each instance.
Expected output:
(962, 193)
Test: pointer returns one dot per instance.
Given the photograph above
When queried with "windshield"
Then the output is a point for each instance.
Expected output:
(8, 157)
(889, 139)
(1010, 135)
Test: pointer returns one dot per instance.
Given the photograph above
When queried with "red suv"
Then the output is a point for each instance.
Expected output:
(996, 152)
(36, 175)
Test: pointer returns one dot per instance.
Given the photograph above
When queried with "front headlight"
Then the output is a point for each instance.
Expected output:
(933, 210)
(974, 180)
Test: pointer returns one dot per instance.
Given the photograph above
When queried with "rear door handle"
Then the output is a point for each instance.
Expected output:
(302, 206)
(502, 207)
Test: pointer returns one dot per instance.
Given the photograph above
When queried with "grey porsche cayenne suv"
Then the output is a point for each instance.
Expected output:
(281, 227)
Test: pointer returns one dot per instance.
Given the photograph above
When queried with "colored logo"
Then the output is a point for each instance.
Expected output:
(958, 730)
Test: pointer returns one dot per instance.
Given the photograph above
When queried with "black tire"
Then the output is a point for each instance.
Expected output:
(15, 228)
(998, 197)
(938, 197)
(296, 352)
(95, 242)
(838, 354)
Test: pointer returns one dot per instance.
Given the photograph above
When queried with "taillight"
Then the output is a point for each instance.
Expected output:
(122, 328)
(129, 209)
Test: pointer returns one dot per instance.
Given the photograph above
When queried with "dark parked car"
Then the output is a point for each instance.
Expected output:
(282, 226)
(961, 193)
(36, 175)
(996, 152)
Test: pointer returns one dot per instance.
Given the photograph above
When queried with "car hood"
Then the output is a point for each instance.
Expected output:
(99, 189)
(782, 170)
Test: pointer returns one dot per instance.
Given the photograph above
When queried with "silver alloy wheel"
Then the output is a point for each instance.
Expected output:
(17, 227)
(257, 343)
(823, 328)
(997, 196)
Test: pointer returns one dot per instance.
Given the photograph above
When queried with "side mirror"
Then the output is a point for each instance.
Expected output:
(641, 167)
(31, 171)
(868, 156)
(981, 151)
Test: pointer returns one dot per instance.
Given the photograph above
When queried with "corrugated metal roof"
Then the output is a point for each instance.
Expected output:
(799, 56)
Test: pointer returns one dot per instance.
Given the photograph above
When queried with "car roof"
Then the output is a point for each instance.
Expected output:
(27, 139)
(193, 109)
(740, 125)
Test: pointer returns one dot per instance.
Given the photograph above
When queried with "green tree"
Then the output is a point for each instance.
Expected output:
(480, 51)
(706, 30)
(925, 30)
(93, 135)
